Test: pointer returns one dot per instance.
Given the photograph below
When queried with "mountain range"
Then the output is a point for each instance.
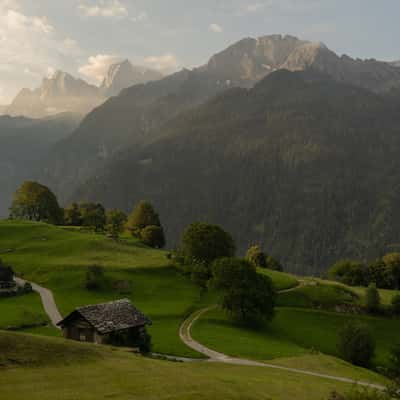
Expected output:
(64, 93)
(280, 140)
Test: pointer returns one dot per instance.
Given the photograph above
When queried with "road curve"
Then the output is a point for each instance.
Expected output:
(48, 302)
(214, 356)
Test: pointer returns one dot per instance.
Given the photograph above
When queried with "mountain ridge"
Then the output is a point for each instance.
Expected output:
(303, 164)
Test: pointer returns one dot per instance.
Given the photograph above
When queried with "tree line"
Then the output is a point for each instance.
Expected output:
(36, 202)
(384, 272)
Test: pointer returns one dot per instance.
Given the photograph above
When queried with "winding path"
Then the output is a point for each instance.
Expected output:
(214, 356)
(48, 302)
(51, 309)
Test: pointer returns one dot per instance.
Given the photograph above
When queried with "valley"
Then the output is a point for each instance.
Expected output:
(300, 338)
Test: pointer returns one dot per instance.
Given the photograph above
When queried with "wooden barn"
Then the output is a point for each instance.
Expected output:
(118, 322)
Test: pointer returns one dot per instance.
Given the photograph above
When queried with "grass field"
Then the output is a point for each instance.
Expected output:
(292, 332)
(58, 259)
(281, 280)
(47, 368)
(21, 310)
(318, 294)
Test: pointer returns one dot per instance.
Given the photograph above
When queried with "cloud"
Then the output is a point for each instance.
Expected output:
(140, 17)
(28, 45)
(254, 7)
(215, 28)
(165, 63)
(97, 66)
(105, 9)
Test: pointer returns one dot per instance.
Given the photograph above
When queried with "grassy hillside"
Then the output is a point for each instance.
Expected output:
(48, 368)
(292, 332)
(58, 259)
(26, 310)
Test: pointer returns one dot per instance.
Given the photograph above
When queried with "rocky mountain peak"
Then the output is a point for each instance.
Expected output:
(123, 74)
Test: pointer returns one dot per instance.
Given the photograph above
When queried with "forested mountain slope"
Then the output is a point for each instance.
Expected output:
(138, 114)
(302, 164)
(23, 142)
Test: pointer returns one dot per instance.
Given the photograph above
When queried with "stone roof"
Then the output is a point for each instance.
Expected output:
(110, 317)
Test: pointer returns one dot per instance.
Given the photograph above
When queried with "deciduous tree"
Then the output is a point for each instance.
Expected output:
(36, 202)
(245, 294)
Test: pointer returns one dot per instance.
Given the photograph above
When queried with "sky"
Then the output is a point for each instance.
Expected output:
(84, 37)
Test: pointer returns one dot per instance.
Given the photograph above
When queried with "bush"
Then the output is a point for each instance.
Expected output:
(256, 256)
(142, 216)
(274, 264)
(153, 236)
(356, 344)
(6, 272)
(372, 299)
(246, 295)
(93, 216)
(115, 220)
(348, 272)
(360, 394)
(396, 304)
(95, 278)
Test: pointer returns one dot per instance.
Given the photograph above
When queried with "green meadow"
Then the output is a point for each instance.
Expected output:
(58, 258)
(52, 368)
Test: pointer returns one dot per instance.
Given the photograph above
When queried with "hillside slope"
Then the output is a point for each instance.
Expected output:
(48, 368)
(302, 164)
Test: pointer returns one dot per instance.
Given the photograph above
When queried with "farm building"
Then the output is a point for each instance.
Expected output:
(118, 323)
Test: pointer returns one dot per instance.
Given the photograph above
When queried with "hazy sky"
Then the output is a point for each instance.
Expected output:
(84, 36)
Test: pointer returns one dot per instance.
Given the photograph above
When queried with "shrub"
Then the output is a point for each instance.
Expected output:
(274, 264)
(372, 299)
(348, 272)
(95, 278)
(396, 304)
(93, 216)
(115, 220)
(153, 236)
(356, 344)
(6, 272)
(256, 256)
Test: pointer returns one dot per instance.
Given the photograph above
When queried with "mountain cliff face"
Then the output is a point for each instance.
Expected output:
(23, 142)
(60, 93)
(123, 75)
(302, 164)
